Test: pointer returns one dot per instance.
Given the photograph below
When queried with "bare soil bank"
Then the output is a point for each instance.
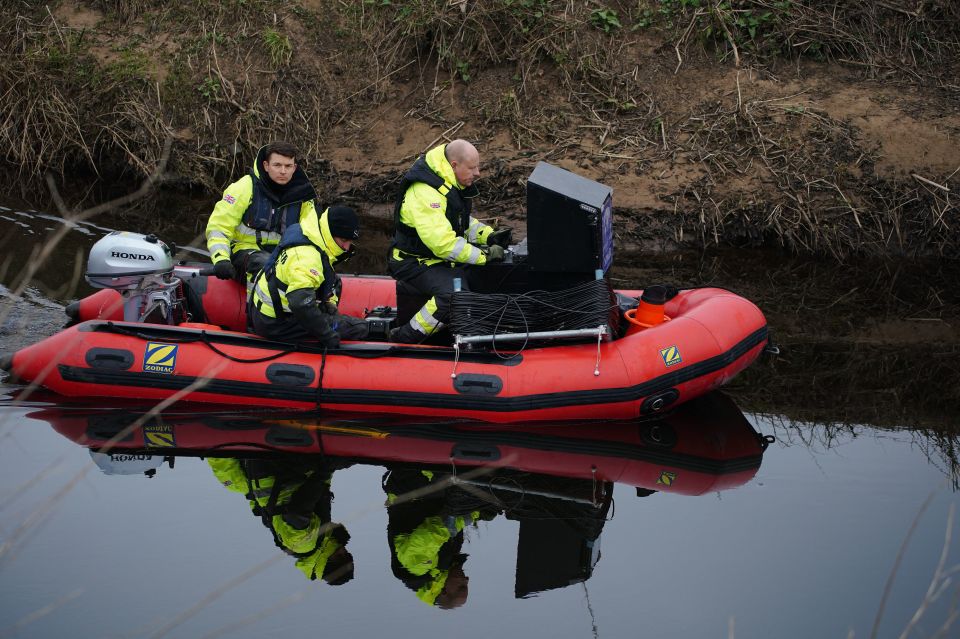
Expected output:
(827, 128)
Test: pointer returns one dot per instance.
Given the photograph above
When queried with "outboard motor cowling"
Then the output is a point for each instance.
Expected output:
(141, 268)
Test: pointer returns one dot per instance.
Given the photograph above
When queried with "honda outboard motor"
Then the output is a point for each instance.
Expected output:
(141, 268)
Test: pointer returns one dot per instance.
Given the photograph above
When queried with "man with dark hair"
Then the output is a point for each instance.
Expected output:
(247, 223)
(436, 236)
(295, 297)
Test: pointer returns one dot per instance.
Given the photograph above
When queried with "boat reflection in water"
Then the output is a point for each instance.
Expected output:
(440, 479)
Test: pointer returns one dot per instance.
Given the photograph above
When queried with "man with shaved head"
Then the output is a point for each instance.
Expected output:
(436, 237)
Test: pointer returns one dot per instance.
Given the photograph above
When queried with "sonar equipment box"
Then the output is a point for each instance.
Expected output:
(569, 222)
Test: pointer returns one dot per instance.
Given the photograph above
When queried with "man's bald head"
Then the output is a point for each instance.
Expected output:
(455, 589)
(465, 160)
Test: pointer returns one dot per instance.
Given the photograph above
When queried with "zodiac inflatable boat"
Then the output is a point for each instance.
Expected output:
(156, 353)
(703, 446)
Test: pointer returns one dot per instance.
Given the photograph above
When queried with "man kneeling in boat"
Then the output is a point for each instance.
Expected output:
(295, 298)
(436, 237)
(246, 224)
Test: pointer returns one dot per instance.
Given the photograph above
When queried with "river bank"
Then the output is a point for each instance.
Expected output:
(827, 129)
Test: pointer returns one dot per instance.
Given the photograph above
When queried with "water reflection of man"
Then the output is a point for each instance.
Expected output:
(425, 534)
(293, 500)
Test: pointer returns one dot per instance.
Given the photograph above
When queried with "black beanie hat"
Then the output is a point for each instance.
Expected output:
(343, 222)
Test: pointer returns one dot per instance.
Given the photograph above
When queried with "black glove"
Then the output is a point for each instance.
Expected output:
(329, 307)
(500, 237)
(330, 340)
(224, 270)
(494, 253)
(303, 305)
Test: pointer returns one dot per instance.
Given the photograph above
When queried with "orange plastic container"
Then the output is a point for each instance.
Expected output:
(650, 310)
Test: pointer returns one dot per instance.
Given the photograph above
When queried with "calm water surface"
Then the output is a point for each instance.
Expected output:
(681, 528)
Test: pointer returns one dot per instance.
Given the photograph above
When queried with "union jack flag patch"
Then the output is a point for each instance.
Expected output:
(229, 198)
(435, 205)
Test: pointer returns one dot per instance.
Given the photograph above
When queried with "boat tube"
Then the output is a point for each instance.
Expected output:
(703, 446)
(142, 338)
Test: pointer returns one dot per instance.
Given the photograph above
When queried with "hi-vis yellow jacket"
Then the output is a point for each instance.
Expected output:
(433, 222)
(301, 266)
(311, 543)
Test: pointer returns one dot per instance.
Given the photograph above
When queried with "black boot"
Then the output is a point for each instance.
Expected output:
(406, 334)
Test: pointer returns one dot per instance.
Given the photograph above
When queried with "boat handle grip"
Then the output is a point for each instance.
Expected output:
(292, 374)
(108, 357)
(475, 452)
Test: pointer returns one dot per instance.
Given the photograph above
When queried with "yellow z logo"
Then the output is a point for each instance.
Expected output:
(670, 355)
(159, 358)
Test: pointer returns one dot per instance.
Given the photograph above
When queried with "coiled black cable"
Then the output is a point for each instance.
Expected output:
(586, 305)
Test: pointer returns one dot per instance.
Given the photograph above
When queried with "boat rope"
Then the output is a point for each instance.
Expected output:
(598, 492)
(323, 366)
(765, 441)
(596, 368)
(204, 338)
(456, 358)
(206, 341)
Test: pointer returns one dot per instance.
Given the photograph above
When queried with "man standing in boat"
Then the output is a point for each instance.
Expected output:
(247, 223)
(436, 237)
(295, 297)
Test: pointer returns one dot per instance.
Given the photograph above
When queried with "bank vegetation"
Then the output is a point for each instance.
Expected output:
(93, 89)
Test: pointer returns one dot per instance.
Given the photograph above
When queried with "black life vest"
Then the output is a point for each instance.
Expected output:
(459, 206)
(265, 213)
(271, 210)
(294, 236)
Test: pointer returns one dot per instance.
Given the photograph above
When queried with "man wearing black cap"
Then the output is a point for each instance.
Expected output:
(295, 298)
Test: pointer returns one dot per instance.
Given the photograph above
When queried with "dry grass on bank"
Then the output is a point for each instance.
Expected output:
(63, 110)
(830, 201)
(99, 94)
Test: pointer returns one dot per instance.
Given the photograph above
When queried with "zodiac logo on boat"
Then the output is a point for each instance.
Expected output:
(670, 355)
(159, 436)
(666, 478)
(159, 357)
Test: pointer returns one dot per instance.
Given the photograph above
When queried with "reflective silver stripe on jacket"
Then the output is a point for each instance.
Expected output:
(219, 246)
(457, 249)
(473, 233)
(425, 322)
(266, 237)
(474, 255)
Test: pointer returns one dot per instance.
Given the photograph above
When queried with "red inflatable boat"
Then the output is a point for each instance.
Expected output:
(712, 335)
(165, 332)
(705, 445)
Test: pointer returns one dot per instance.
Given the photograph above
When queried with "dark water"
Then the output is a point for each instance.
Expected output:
(680, 528)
